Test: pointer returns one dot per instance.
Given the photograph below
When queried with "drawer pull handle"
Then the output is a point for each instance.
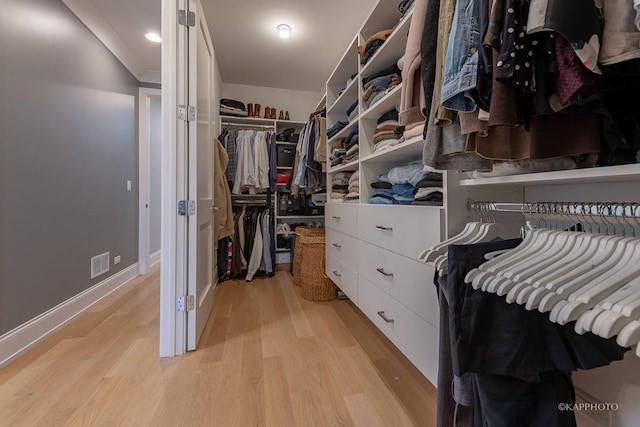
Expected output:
(337, 274)
(384, 317)
(384, 273)
(384, 228)
(337, 246)
(337, 218)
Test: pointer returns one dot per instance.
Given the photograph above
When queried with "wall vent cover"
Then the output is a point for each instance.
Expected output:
(99, 264)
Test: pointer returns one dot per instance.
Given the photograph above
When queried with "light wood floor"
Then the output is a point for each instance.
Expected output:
(267, 358)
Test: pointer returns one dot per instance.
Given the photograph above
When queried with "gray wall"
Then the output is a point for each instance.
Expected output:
(68, 144)
(155, 164)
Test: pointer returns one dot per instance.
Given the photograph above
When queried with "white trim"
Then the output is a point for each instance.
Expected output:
(100, 27)
(172, 281)
(19, 340)
(145, 95)
(155, 258)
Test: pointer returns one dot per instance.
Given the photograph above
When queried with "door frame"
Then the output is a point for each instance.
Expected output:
(173, 278)
(145, 95)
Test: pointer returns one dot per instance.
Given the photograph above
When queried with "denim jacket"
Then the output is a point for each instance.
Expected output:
(461, 64)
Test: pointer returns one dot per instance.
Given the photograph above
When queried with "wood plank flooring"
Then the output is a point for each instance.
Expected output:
(267, 358)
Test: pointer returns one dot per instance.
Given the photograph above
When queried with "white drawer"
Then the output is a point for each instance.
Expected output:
(416, 339)
(406, 230)
(344, 277)
(406, 280)
(341, 217)
(343, 247)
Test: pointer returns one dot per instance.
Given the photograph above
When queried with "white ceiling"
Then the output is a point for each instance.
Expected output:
(244, 36)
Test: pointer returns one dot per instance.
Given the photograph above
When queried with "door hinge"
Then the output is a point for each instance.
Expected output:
(186, 303)
(186, 207)
(188, 19)
(186, 112)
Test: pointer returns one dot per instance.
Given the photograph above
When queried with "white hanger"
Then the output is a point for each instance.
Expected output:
(629, 335)
(585, 294)
(544, 285)
(577, 278)
(490, 232)
(431, 253)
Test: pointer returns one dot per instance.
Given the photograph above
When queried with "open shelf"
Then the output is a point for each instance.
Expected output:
(344, 101)
(348, 167)
(575, 176)
(389, 52)
(343, 132)
(383, 105)
(403, 152)
(299, 216)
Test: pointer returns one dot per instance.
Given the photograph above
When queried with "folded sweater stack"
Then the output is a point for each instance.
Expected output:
(340, 187)
(351, 145)
(408, 185)
(354, 187)
(377, 88)
(338, 152)
(388, 131)
(373, 43)
(231, 107)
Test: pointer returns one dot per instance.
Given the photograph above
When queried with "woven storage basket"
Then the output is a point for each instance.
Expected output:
(297, 255)
(316, 286)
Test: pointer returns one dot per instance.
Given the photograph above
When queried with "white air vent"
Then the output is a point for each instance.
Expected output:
(99, 264)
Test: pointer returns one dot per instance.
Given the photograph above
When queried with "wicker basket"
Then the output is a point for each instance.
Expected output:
(297, 254)
(316, 286)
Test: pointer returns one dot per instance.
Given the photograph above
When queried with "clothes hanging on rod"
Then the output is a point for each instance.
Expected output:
(506, 81)
(310, 160)
(505, 352)
(253, 244)
(252, 159)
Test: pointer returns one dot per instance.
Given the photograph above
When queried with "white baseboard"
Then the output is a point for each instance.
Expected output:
(155, 258)
(25, 336)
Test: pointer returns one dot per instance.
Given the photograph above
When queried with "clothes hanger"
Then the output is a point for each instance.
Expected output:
(540, 238)
(470, 229)
(611, 315)
(584, 297)
(518, 287)
(477, 275)
(626, 270)
(586, 249)
(490, 232)
(629, 335)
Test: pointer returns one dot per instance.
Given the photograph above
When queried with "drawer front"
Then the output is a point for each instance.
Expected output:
(406, 280)
(341, 217)
(414, 337)
(343, 247)
(406, 230)
(344, 277)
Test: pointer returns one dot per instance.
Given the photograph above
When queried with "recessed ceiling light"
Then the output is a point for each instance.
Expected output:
(153, 37)
(284, 31)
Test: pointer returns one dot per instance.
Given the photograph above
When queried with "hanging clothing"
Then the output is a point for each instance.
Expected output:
(253, 170)
(223, 217)
(521, 363)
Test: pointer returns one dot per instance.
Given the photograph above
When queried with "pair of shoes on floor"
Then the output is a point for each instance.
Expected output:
(283, 228)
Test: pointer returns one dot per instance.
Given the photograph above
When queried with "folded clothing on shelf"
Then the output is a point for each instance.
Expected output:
(372, 44)
(336, 127)
(231, 107)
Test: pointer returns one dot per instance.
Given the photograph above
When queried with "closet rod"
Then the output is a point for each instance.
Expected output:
(238, 125)
(598, 209)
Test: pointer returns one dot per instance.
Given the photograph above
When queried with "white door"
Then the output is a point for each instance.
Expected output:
(201, 254)
(188, 260)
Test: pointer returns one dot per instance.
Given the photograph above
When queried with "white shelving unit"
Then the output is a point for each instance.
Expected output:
(277, 126)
